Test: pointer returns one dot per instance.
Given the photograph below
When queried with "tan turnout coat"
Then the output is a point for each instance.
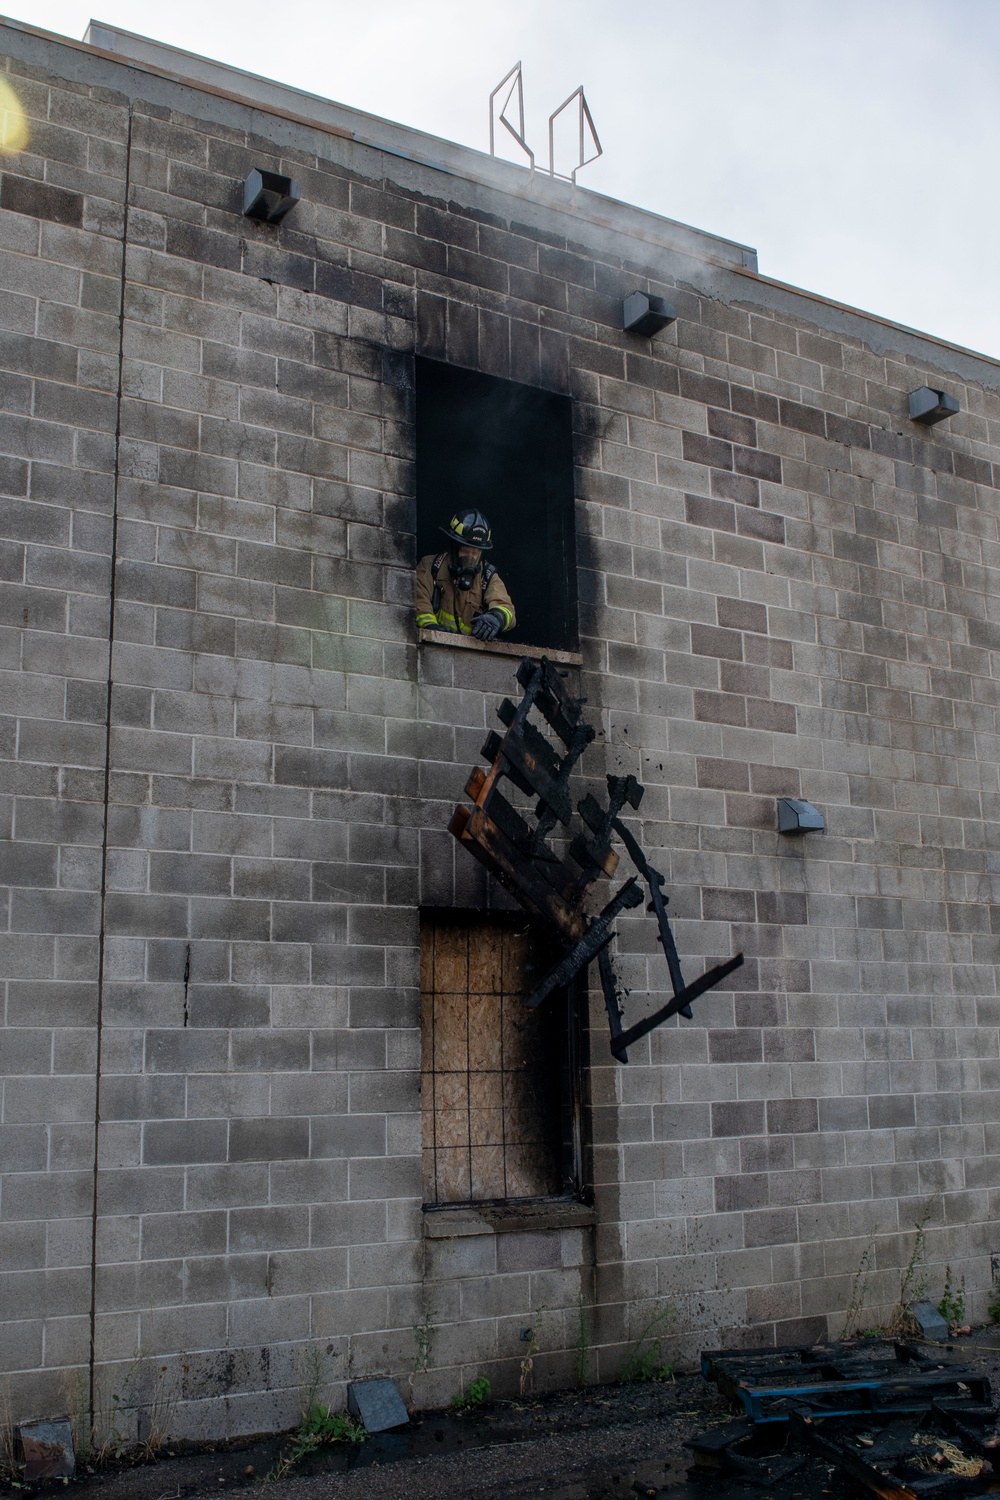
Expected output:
(457, 608)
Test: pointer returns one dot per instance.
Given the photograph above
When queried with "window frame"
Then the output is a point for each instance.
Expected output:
(487, 443)
(567, 1032)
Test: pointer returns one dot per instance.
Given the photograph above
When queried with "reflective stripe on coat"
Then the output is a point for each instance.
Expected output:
(458, 608)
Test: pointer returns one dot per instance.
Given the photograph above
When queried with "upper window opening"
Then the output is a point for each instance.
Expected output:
(506, 450)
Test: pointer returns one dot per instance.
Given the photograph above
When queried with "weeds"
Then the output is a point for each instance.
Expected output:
(477, 1395)
(643, 1363)
(77, 1396)
(156, 1416)
(314, 1368)
(952, 1304)
(859, 1289)
(527, 1362)
(993, 1305)
(8, 1453)
(112, 1433)
(645, 1367)
(129, 1426)
(912, 1284)
(901, 1324)
(318, 1426)
(423, 1343)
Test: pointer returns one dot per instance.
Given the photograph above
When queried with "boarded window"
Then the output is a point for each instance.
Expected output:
(505, 449)
(497, 1080)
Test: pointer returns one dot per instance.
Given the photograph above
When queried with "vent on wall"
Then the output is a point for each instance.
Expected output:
(645, 314)
(269, 196)
(929, 406)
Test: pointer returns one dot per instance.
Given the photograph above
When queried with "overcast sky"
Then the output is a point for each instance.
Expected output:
(854, 143)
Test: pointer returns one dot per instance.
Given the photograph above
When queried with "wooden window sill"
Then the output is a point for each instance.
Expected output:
(454, 642)
(505, 1218)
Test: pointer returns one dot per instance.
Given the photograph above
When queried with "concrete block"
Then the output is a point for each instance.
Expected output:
(932, 1325)
(377, 1404)
(181, 1142)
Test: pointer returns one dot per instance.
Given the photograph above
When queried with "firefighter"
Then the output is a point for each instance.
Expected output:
(458, 590)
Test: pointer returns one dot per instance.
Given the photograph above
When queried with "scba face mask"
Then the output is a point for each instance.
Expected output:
(464, 574)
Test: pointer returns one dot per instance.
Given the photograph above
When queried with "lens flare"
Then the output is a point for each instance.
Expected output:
(13, 122)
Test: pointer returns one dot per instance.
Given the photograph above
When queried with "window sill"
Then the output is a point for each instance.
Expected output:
(454, 642)
(504, 1218)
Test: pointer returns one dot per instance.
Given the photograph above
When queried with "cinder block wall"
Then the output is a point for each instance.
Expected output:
(785, 589)
(61, 224)
(795, 589)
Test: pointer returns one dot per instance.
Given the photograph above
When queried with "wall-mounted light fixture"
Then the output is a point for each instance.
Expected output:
(799, 817)
(269, 196)
(929, 406)
(646, 314)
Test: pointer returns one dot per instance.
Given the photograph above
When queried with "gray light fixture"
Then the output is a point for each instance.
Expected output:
(269, 196)
(929, 406)
(799, 817)
(646, 314)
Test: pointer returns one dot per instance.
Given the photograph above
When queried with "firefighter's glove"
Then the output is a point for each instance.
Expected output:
(488, 626)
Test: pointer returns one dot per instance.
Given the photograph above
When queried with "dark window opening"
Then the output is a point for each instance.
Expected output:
(507, 450)
(499, 1083)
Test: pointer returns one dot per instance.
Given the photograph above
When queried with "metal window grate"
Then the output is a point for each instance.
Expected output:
(492, 1111)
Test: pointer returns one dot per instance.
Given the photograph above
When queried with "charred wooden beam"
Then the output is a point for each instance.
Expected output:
(555, 702)
(597, 936)
(553, 793)
(537, 743)
(658, 904)
(478, 833)
(503, 839)
(548, 785)
(708, 981)
(600, 820)
(582, 852)
(492, 750)
(612, 1000)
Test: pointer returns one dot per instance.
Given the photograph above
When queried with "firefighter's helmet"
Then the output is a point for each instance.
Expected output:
(469, 528)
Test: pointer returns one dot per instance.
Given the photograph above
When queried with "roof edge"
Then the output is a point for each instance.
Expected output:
(164, 61)
(413, 145)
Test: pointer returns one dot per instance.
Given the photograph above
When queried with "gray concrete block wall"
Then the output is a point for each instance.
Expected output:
(509, 1304)
(273, 1017)
(61, 213)
(823, 631)
(785, 589)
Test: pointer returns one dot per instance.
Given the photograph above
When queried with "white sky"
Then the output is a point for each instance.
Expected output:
(854, 143)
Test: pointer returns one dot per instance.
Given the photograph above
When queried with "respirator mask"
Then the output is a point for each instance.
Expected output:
(463, 572)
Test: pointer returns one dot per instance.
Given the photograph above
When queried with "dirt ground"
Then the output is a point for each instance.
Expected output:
(594, 1444)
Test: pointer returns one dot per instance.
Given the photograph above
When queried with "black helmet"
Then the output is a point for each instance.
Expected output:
(469, 528)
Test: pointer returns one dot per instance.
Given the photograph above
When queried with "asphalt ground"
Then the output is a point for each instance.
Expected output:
(591, 1444)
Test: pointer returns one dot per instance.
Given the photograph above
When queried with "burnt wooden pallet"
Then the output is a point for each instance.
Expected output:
(513, 845)
(839, 1380)
(901, 1459)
